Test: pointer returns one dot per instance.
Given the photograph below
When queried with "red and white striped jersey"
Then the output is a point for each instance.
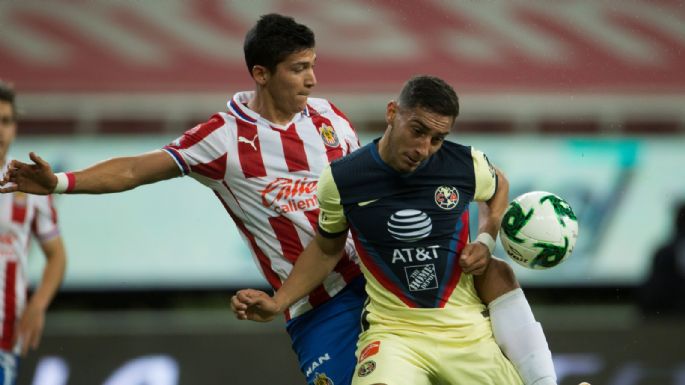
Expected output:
(265, 175)
(21, 215)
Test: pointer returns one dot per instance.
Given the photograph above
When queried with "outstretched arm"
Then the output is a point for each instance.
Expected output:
(315, 263)
(109, 176)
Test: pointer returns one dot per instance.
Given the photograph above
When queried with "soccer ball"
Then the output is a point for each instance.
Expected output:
(539, 230)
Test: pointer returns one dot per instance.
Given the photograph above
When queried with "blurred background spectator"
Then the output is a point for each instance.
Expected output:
(664, 290)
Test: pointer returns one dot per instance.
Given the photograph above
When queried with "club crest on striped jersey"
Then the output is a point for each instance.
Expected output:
(409, 225)
(328, 135)
(446, 197)
(19, 198)
(322, 379)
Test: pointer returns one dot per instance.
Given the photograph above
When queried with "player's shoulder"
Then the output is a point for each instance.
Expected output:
(323, 106)
(320, 105)
(451, 147)
(356, 160)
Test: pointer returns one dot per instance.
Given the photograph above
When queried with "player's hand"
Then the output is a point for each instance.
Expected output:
(254, 305)
(36, 178)
(30, 329)
(474, 258)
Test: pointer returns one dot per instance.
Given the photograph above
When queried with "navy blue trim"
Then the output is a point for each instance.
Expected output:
(240, 112)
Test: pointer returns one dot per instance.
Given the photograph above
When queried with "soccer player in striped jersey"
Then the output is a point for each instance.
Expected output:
(262, 158)
(21, 217)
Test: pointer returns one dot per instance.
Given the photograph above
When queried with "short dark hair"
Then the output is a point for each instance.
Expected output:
(273, 38)
(7, 95)
(431, 93)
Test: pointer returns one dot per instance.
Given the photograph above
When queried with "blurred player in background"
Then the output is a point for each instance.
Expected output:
(21, 216)
(663, 292)
(262, 158)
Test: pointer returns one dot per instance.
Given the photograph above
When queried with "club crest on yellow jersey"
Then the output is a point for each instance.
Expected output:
(329, 136)
(447, 197)
(366, 368)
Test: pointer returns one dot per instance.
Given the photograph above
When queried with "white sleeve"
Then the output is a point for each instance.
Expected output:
(44, 225)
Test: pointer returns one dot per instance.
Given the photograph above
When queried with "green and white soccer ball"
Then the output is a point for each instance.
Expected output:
(539, 230)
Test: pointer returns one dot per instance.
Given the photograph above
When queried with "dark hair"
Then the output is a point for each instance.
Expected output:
(7, 95)
(273, 38)
(431, 93)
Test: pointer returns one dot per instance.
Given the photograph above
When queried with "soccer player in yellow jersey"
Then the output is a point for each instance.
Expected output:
(405, 198)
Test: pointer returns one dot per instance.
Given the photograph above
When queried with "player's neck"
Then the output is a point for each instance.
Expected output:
(263, 104)
(383, 149)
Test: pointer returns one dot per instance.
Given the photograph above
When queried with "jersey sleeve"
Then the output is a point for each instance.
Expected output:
(486, 177)
(201, 149)
(332, 221)
(44, 226)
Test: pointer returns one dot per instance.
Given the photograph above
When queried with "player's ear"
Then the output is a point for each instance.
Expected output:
(260, 74)
(390, 111)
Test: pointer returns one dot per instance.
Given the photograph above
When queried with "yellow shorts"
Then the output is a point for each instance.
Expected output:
(413, 358)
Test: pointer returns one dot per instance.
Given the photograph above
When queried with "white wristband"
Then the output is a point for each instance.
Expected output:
(487, 240)
(65, 182)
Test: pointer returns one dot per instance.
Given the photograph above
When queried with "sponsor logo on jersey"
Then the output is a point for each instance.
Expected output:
(6, 245)
(7, 238)
(409, 225)
(287, 195)
(366, 203)
(369, 350)
(322, 379)
(366, 368)
(421, 277)
(242, 139)
(328, 135)
(418, 254)
(447, 197)
(317, 362)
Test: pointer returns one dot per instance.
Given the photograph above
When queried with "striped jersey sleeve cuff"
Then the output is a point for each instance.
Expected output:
(178, 158)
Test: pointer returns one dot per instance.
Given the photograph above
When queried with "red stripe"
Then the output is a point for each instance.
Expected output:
(293, 148)
(215, 169)
(333, 153)
(19, 208)
(71, 181)
(347, 268)
(342, 115)
(318, 296)
(264, 262)
(199, 132)
(292, 248)
(287, 236)
(313, 218)
(250, 157)
(10, 306)
(456, 274)
(378, 274)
